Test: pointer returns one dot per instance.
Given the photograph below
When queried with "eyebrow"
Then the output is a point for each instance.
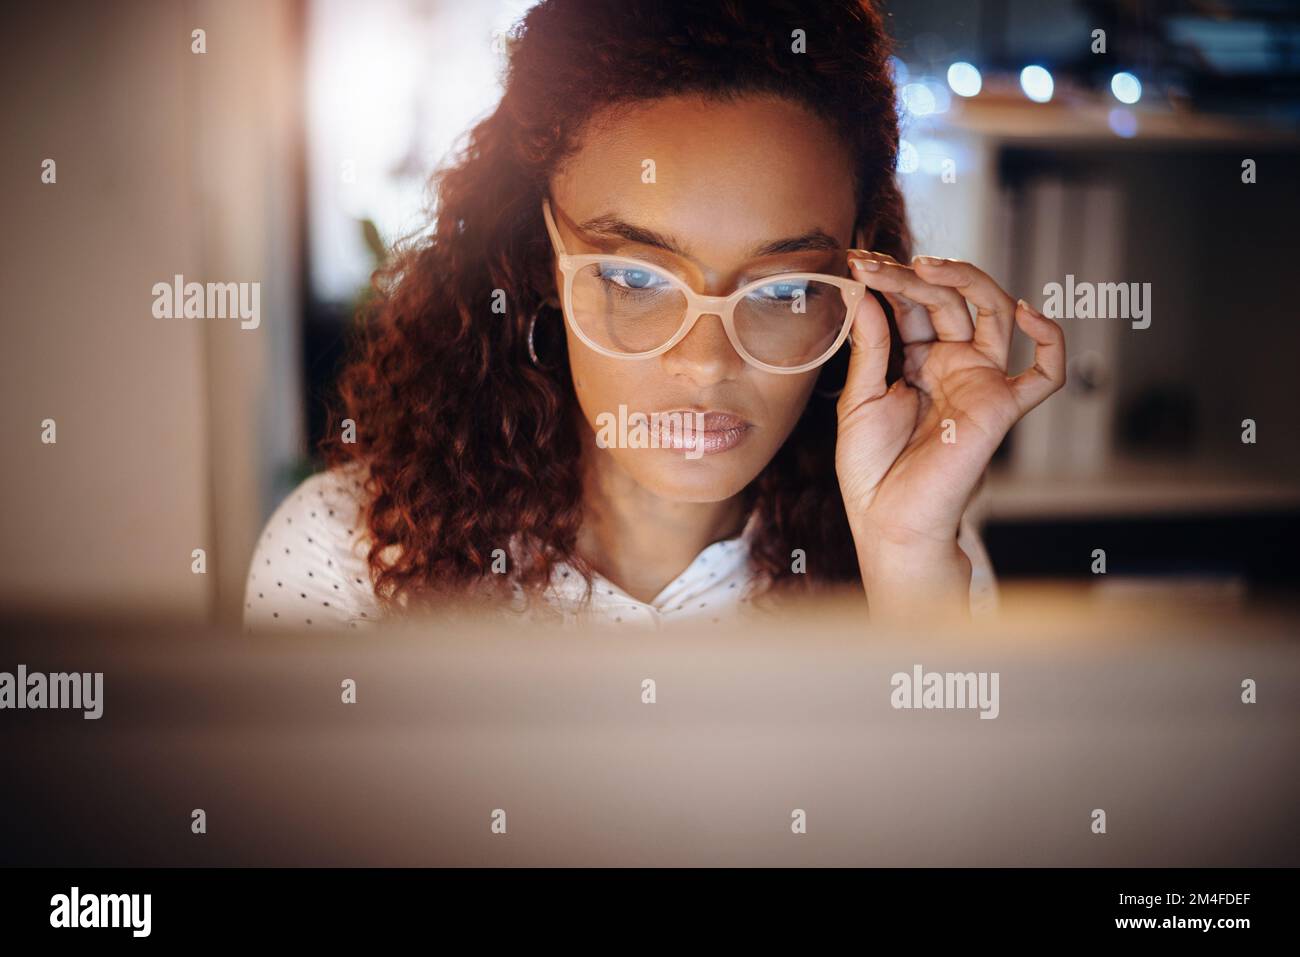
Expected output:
(814, 239)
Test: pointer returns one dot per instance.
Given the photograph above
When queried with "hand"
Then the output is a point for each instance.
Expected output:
(909, 456)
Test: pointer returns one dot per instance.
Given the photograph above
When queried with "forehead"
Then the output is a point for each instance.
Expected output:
(720, 175)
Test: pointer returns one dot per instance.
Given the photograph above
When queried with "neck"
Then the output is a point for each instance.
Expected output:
(637, 540)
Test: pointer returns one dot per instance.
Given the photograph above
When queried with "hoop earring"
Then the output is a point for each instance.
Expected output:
(532, 341)
(532, 349)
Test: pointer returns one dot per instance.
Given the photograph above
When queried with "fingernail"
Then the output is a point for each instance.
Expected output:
(870, 265)
(928, 260)
(1030, 309)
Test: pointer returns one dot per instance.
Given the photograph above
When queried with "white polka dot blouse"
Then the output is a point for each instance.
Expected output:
(309, 570)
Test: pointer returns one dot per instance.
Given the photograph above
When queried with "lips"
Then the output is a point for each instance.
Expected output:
(721, 431)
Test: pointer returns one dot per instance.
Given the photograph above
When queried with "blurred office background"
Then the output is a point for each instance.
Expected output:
(299, 145)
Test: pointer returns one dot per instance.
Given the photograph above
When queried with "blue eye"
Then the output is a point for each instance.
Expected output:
(629, 277)
(784, 291)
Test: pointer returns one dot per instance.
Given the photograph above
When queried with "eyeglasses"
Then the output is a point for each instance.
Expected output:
(631, 309)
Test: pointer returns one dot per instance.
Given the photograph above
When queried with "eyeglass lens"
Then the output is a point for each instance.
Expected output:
(634, 309)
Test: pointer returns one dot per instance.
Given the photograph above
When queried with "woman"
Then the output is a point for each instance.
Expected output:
(683, 213)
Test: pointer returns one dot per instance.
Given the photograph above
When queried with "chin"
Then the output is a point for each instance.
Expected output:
(675, 478)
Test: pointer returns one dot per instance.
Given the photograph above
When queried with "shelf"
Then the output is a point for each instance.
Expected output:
(1082, 121)
(1133, 490)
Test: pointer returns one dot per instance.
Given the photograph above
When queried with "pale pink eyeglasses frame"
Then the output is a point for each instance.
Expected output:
(697, 305)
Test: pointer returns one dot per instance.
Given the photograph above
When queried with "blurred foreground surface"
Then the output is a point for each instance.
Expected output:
(1126, 707)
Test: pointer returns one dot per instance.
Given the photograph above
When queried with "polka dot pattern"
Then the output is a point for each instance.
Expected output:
(309, 569)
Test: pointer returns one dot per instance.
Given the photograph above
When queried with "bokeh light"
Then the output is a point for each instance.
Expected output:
(1126, 87)
(964, 79)
(1037, 83)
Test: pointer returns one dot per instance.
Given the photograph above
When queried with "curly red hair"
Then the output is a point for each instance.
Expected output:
(469, 447)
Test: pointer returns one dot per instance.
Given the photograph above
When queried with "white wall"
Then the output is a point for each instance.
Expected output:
(168, 430)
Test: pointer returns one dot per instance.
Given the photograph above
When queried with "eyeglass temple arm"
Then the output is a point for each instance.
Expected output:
(550, 226)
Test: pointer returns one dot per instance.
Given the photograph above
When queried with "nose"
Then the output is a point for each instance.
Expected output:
(706, 356)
